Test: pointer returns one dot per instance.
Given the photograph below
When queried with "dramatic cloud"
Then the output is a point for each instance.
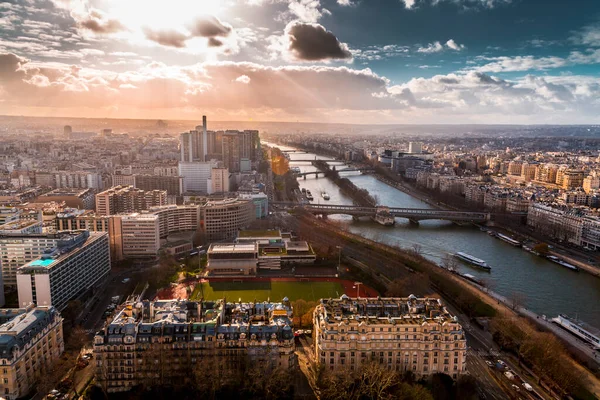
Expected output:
(243, 79)
(345, 2)
(210, 26)
(312, 42)
(307, 10)
(588, 35)
(171, 38)
(520, 63)
(98, 23)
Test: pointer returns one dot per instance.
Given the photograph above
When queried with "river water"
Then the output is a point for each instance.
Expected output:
(547, 288)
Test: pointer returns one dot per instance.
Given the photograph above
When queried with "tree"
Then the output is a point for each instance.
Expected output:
(442, 387)
(516, 300)
(542, 249)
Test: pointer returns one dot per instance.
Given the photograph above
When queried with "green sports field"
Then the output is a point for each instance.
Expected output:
(261, 291)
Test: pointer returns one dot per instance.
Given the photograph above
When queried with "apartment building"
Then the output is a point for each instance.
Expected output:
(31, 341)
(127, 199)
(140, 235)
(404, 334)
(221, 219)
(76, 198)
(189, 335)
(65, 272)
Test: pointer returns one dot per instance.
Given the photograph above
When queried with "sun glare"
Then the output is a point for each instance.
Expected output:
(160, 14)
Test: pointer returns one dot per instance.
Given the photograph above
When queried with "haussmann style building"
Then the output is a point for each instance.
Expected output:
(404, 334)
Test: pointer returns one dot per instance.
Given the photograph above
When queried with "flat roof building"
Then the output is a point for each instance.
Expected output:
(232, 259)
(65, 272)
(127, 199)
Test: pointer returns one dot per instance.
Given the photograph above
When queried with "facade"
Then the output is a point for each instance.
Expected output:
(195, 176)
(173, 185)
(140, 235)
(572, 179)
(189, 335)
(9, 214)
(21, 227)
(221, 219)
(404, 334)
(31, 340)
(232, 259)
(219, 180)
(64, 272)
(261, 203)
(70, 179)
(127, 199)
(76, 198)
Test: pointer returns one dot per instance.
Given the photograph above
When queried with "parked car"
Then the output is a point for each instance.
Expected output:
(125, 280)
(528, 387)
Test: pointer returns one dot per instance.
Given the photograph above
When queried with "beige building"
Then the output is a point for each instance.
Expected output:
(127, 199)
(404, 334)
(221, 219)
(528, 171)
(140, 235)
(31, 340)
(572, 179)
(187, 335)
(591, 183)
(546, 173)
(515, 168)
(219, 180)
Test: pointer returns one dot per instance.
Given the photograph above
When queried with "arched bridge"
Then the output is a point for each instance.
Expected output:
(412, 214)
(349, 169)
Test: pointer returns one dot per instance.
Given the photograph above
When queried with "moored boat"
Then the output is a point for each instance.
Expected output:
(384, 217)
(473, 260)
(508, 240)
(563, 263)
(580, 329)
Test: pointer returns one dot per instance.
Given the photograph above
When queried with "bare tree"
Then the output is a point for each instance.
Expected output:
(517, 300)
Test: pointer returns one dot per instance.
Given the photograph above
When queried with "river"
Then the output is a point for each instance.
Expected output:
(547, 288)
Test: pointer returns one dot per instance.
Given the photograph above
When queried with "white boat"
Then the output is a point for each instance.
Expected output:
(325, 196)
(473, 260)
(384, 217)
(580, 329)
(508, 240)
(565, 264)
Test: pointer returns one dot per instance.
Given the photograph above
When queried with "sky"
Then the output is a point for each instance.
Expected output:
(343, 61)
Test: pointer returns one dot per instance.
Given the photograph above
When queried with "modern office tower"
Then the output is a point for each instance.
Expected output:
(31, 341)
(140, 235)
(67, 130)
(232, 259)
(222, 219)
(127, 199)
(219, 180)
(404, 334)
(190, 335)
(415, 147)
(195, 176)
(76, 198)
(204, 139)
(187, 142)
(231, 151)
(66, 271)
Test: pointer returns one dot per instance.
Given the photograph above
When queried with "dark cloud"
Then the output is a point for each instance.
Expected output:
(97, 23)
(210, 26)
(214, 42)
(9, 65)
(312, 42)
(169, 38)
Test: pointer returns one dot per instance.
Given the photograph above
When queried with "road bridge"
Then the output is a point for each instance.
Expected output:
(349, 169)
(310, 160)
(413, 214)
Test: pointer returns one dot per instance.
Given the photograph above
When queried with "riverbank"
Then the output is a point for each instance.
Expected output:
(381, 268)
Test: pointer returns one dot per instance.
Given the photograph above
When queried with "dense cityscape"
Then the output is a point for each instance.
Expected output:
(299, 199)
(189, 262)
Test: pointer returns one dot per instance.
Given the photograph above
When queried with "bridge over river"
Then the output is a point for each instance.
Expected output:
(412, 214)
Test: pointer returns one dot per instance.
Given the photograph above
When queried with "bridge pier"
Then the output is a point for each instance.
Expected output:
(304, 177)
(413, 221)
(355, 218)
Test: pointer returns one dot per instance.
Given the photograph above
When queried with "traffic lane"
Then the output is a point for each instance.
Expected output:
(489, 388)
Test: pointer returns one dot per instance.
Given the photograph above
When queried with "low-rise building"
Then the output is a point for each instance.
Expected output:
(404, 334)
(72, 197)
(190, 335)
(31, 341)
(232, 259)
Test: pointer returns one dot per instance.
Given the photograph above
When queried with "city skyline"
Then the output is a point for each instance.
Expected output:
(409, 61)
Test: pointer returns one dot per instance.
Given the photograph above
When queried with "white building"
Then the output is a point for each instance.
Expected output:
(195, 175)
(219, 180)
(140, 235)
(64, 272)
(415, 147)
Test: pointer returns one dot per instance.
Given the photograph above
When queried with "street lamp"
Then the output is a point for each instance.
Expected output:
(357, 286)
